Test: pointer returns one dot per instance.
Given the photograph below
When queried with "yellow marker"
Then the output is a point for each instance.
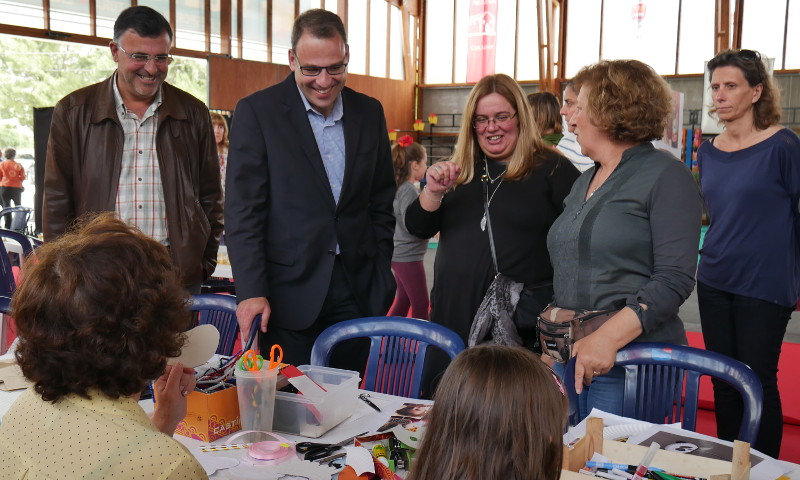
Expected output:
(379, 450)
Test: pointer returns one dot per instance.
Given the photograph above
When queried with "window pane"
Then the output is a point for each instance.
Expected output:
(282, 21)
(793, 37)
(332, 6)
(439, 42)
(25, 13)
(309, 4)
(190, 25)
(107, 13)
(357, 36)
(583, 35)
(528, 41)
(755, 35)
(462, 42)
(506, 36)
(235, 28)
(697, 36)
(397, 68)
(70, 16)
(216, 20)
(254, 30)
(647, 35)
(161, 6)
(377, 37)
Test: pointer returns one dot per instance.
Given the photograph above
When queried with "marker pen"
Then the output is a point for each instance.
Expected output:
(641, 470)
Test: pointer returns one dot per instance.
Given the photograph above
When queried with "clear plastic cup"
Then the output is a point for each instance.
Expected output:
(256, 392)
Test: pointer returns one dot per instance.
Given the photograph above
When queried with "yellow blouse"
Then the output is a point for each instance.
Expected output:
(79, 438)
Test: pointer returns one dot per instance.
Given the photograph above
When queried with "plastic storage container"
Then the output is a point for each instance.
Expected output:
(312, 417)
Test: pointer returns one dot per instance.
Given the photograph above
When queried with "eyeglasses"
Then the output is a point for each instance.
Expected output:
(143, 59)
(501, 120)
(314, 71)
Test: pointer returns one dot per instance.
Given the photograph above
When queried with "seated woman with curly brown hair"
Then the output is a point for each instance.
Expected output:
(98, 312)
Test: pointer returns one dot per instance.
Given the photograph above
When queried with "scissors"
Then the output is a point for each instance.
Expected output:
(315, 451)
(272, 361)
(252, 362)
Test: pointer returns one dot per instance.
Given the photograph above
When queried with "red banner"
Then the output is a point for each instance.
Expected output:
(482, 35)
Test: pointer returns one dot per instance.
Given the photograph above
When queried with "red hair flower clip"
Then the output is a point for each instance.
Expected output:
(405, 140)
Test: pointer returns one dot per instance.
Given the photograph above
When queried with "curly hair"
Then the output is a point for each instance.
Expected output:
(546, 109)
(627, 99)
(503, 402)
(218, 119)
(402, 157)
(767, 109)
(101, 307)
(529, 150)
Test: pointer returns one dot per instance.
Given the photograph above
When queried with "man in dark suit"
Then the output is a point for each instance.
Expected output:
(309, 194)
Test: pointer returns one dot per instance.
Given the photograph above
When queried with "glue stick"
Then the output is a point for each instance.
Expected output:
(641, 470)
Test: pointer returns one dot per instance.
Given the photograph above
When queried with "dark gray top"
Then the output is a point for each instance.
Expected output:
(635, 241)
(407, 247)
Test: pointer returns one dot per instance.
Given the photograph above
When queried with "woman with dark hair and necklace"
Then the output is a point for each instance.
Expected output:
(501, 160)
(748, 280)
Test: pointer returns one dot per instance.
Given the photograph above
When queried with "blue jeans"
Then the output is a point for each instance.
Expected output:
(751, 331)
(605, 392)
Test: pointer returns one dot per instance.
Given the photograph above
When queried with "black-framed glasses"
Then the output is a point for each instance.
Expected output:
(143, 59)
(501, 120)
(314, 71)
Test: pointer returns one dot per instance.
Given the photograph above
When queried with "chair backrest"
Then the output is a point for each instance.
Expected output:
(398, 347)
(7, 283)
(662, 384)
(19, 217)
(220, 310)
(27, 243)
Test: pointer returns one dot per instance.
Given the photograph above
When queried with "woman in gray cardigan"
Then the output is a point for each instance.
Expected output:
(629, 233)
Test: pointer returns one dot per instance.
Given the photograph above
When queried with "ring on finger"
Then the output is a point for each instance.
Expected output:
(595, 373)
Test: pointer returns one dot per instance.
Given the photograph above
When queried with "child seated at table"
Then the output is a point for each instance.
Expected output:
(98, 312)
(499, 412)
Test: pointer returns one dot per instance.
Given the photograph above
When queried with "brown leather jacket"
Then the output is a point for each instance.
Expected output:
(84, 161)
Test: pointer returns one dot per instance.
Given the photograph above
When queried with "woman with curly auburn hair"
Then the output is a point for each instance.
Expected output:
(410, 162)
(499, 414)
(628, 237)
(499, 161)
(98, 312)
(748, 281)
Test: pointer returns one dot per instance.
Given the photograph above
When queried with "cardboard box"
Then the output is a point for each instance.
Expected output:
(211, 416)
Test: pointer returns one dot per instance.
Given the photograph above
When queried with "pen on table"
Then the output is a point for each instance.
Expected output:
(619, 466)
(641, 470)
(366, 400)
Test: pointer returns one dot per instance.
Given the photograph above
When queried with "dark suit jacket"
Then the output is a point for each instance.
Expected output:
(282, 223)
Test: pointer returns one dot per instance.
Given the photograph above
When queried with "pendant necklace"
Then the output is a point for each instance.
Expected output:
(490, 198)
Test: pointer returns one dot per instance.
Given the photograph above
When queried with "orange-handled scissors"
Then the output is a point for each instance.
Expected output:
(251, 361)
(272, 361)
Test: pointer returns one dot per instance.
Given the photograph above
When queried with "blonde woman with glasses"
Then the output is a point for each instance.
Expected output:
(499, 161)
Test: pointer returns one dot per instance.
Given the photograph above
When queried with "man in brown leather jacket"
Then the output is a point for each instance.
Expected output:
(135, 145)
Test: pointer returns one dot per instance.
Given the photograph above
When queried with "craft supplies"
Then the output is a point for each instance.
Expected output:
(365, 398)
(641, 470)
(255, 386)
(314, 451)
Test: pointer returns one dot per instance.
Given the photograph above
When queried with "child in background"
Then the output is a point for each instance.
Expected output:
(499, 412)
(410, 163)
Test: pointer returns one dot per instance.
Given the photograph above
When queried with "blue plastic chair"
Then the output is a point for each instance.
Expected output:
(398, 346)
(27, 243)
(220, 311)
(7, 283)
(662, 385)
(19, 217)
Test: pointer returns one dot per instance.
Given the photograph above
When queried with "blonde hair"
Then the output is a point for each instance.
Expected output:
(528, 152)
(498, 413)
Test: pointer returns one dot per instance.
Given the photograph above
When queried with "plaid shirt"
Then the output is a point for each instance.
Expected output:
(140, 197)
